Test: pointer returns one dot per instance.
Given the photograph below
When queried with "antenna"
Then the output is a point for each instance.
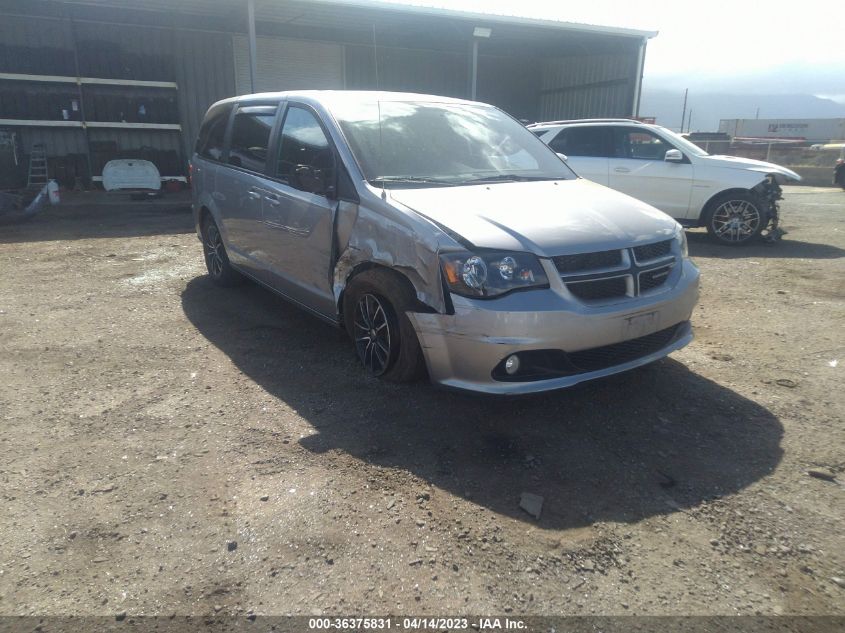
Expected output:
(381, 153)
(378, 103)
(375, 54)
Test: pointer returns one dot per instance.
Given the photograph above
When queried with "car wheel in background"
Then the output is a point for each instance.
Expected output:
(374, 312)
(736, 219)
(216, 259)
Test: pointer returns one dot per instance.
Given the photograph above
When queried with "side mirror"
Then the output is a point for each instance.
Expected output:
(563, 157)
(674, 156)
(310, 179)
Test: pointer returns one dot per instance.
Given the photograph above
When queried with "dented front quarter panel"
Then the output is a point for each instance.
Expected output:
(377, 232)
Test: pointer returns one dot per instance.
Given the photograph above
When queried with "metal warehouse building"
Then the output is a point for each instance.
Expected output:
(93, 80)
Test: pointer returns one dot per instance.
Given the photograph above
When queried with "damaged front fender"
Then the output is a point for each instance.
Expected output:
(367, 237)
(770, 193)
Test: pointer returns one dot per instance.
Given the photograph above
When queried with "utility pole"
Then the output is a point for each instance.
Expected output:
(684, 111)
(689, 120)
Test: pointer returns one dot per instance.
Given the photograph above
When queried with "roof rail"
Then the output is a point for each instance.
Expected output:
(586, 121)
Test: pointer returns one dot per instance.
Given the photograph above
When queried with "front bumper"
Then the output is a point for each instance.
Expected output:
(463, 349)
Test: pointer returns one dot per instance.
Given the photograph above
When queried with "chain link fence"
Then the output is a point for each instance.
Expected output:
(814, 161)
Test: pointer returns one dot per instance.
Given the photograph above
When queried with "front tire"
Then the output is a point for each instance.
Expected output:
(374, 312)
(216, 258)
(736, 219)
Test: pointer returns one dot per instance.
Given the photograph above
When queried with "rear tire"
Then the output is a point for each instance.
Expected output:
(216, 258)
(375, 304)
(736, 219)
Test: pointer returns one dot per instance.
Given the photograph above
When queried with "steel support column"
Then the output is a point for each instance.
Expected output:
(253, 47)
(638, 85)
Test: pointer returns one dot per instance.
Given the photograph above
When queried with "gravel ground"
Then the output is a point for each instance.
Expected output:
(170, 447)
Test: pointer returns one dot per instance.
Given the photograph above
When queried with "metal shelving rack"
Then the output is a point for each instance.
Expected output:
(85, 124)
(57, 79)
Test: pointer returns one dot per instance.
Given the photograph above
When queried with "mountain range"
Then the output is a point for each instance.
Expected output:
(708, 108)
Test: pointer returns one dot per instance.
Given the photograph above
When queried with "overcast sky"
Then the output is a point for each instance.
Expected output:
(738, 46)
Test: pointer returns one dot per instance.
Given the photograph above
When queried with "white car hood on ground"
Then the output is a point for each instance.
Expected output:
(546, 217)
(131, 174)
(736, 162)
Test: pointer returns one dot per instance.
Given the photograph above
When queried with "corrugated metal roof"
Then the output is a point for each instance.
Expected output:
(315, 12)
(484, 17)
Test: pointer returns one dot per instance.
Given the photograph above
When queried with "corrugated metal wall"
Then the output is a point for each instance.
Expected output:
(16, 31)
(407, 70)
(307, 65)
(588, 86)
(205, 74)
(58, 141)
(511, 83)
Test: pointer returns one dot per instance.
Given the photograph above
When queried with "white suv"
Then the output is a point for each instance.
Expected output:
(735, 198)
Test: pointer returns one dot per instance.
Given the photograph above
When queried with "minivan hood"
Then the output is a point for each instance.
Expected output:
(546, 217)
(736, 162)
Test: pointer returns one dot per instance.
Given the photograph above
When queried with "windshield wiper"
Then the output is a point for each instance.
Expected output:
(507, 178)
(413, 180)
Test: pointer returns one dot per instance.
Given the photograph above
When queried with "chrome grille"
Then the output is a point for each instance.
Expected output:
(605, 288)
(608, 275)
(654, 278)
(653, 251)
(587, 261)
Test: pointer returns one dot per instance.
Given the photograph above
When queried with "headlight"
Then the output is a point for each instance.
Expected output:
(681, 237)
(490, 274)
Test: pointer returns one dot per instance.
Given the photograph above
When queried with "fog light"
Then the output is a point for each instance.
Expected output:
(512, 365)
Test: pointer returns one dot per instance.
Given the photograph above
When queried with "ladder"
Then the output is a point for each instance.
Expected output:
(37, 178)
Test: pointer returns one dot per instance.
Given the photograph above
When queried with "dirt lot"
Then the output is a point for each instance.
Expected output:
(171, 447)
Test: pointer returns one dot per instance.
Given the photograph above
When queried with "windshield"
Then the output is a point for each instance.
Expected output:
(442, 144)
(683, 144)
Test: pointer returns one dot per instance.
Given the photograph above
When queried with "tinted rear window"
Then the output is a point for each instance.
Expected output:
(212, 133)
(251, 137)
(583, 141)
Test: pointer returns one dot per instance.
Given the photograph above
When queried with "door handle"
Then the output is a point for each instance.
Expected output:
(622, 170)
(273, 199)
(254, 194)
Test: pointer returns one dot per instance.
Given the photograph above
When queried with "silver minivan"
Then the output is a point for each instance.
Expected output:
(442, 235)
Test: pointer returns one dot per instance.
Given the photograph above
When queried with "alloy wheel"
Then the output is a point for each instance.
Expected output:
(214, 250)
(372, 334)
(735, 221)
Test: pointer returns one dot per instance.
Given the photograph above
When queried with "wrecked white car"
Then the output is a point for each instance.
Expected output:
(736, 199)
(444, 237)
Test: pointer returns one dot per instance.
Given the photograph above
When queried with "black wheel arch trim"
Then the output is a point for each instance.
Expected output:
(712, 200)
(361, 267)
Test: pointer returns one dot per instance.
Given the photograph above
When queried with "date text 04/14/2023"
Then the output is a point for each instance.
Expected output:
(480, 624)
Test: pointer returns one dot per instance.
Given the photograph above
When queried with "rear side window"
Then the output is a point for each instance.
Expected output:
(212, 134)
(583, 141)
(250, 141)
(640, 144)
(304, 151)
